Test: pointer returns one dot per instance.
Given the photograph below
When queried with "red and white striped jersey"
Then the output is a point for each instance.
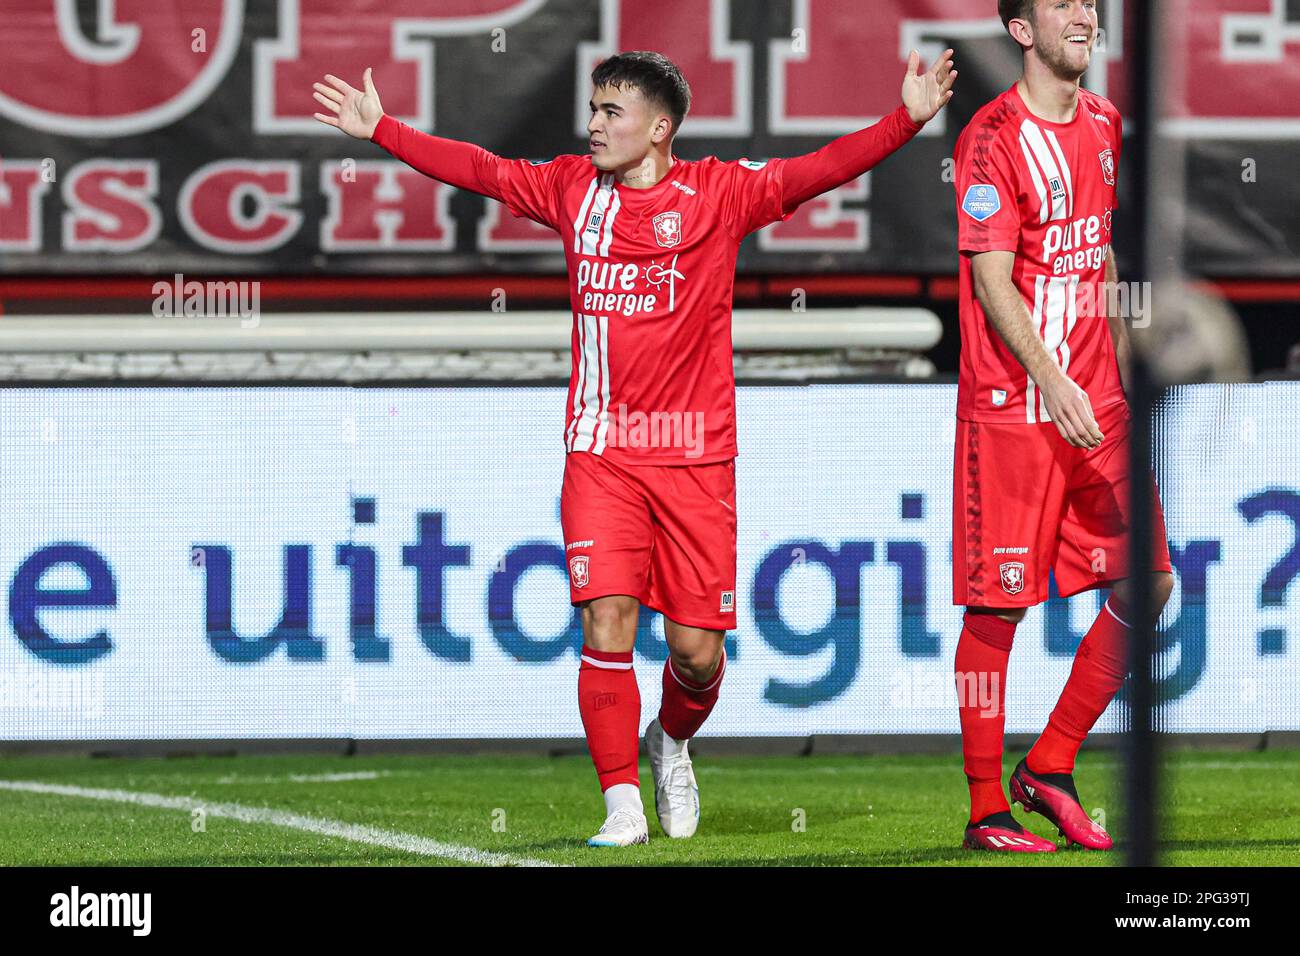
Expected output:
(651, 275)
(1046, 192)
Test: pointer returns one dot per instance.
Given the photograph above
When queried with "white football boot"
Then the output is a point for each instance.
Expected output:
(625, 826)
(677, 797)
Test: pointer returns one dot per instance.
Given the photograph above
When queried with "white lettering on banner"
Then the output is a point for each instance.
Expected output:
(698, 37)
(134, 77)
(397, 38)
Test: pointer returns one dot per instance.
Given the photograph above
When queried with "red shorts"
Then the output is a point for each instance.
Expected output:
(664, 534)
(1026, 502)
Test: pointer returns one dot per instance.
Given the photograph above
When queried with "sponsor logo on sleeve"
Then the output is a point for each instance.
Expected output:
(981, 202)
(728, 605)
(752, 165)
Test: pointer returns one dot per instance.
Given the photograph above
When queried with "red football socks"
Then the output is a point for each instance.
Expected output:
(686, 703)
(610, 703)
(1100, 665)
(981, 676)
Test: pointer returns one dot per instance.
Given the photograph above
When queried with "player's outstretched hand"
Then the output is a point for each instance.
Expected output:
(354, 112)
(924, 94)
(1071, 411)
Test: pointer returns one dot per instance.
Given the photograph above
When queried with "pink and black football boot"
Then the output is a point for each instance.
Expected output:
(1053, 795)
(1000, 831)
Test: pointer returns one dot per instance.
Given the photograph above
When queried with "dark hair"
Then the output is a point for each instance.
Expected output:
(656, 76)
(1010, 10)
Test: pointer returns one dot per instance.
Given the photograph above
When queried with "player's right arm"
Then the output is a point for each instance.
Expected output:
(1006, 311)
(522, 187)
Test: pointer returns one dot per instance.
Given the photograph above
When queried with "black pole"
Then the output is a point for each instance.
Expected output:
(1142, 791)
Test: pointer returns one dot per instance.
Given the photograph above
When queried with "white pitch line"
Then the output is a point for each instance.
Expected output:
(308, 777)
(373, 836)
(337, 777)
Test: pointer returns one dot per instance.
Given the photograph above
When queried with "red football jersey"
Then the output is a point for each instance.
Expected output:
(651, 274)
(1044, 191)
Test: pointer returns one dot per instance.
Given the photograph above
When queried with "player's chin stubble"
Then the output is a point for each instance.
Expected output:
(1058, 60)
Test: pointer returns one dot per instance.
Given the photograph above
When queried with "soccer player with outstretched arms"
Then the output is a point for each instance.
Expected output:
(648, 502)
(1040, 476)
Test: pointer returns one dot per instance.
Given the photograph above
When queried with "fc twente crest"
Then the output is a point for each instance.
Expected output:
(1108, 166)
(578, 570)
(1013, 577)
(668, 229)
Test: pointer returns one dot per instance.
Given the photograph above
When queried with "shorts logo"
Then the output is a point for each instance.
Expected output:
(1107, 157)
(999, 396)
(578, 570)
(1013, 577)
(668, 229)
(728, 605)
(981, 202)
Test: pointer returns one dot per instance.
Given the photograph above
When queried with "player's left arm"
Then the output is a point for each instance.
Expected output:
(1118, 328)
(848, 157)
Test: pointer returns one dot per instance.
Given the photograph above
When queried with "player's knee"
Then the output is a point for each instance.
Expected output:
(1162, 586)
(1012, 615)
(697, 663)
(609, 623)
(994, 626)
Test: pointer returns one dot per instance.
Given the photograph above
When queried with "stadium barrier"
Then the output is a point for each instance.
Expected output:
(220, 344)
(386, 564)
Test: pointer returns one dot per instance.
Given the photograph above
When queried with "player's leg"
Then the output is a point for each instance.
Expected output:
(692, 679)
(610, 704)
(980, 670)
(1100, 666)
(1093, 553)
(1007, 485)
(607, 536)
(693, 583)
(692, 676)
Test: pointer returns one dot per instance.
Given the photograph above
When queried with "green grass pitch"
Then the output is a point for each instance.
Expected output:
(1221, 809)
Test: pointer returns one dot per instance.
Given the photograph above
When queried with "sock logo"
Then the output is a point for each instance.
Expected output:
(602, 701)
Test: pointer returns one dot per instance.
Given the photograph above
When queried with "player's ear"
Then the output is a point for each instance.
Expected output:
(1022, 31)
